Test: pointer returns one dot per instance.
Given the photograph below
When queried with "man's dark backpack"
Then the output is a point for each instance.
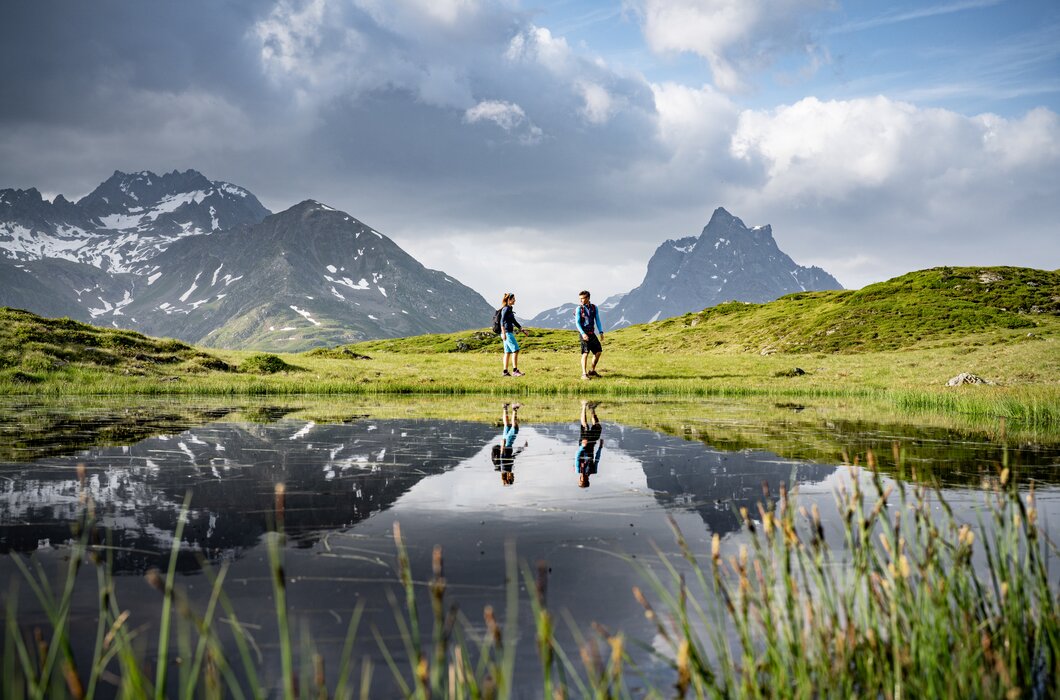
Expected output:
(587, 317)
(497, 321)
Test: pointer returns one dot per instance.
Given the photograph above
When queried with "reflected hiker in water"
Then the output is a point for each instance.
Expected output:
(503, 455)
(590, 445)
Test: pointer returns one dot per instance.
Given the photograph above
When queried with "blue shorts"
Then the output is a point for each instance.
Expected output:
(510, 343)
(509, 436)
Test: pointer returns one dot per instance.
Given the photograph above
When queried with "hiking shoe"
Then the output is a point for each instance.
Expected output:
(516, 373)
(593, 373)
(505, 374)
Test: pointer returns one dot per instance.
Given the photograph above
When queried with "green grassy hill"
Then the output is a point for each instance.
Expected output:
(32, 347)
(939, 304)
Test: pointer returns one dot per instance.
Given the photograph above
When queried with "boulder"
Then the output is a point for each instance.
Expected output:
(967, 378)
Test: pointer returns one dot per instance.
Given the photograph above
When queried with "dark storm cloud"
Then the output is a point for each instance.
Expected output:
(66, 58)
(103, 85)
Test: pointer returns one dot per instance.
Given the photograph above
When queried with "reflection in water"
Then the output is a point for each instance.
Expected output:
(586, 462)
(336, 476)
(503, 454)
(348, 482)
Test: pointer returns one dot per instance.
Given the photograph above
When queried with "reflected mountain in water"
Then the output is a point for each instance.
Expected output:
(714, 483)
(336, 476)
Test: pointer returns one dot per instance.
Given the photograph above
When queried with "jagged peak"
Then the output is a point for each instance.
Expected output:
(722, 222)
(11, 195)
(721, 216)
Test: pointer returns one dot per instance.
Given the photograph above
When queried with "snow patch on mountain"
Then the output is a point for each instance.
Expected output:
(192, 288)
(123, 223)
(305, 314)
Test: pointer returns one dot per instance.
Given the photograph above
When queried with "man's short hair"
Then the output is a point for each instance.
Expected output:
(583, 293)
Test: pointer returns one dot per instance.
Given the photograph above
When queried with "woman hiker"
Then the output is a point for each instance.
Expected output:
(508, 326)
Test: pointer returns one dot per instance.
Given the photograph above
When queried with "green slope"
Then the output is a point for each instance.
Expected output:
(32, 346)
(925, 306)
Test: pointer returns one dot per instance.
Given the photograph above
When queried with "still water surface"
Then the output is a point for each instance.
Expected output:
(585, 489)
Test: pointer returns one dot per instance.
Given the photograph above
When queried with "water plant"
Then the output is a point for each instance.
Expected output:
(908, 607)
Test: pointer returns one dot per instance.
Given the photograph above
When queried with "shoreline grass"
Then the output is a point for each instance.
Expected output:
(1035, 405)
(1027, 378)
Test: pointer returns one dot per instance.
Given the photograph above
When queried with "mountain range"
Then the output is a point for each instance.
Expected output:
(181, 256)
(727, 262)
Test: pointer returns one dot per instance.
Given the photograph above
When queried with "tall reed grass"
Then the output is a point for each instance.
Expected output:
(911, 607)
(911, 603)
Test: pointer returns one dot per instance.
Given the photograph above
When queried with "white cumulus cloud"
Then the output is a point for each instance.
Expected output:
(537, 44)
(734, 36)
(828, 150)
(598, 102)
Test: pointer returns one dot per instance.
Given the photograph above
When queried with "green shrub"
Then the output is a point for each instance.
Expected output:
(264, 363)
(37, 361)
(211, 363)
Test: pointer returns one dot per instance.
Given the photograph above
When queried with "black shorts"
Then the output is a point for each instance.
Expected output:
(592, 345)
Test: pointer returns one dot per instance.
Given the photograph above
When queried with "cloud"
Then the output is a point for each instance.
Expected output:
(734, 36)
(507, 116)
(401, 15)
(879, 179)
(828, 150)
(536, 44)
(598, 102)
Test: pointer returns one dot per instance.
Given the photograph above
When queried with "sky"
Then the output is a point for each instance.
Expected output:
(542, 147)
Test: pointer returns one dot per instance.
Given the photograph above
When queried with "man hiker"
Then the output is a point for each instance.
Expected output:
(587, 319)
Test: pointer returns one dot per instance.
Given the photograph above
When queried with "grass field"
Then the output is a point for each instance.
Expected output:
(897, 341)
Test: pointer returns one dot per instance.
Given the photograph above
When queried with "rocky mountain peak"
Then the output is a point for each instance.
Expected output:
(722, 224)
(125, 221)
(728, 261)
(721, 217)
(122, 191)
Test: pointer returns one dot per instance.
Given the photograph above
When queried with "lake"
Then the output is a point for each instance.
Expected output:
(591, 490)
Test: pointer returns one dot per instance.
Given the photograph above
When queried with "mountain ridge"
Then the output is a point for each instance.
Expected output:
(182, 256)
(125, 221)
